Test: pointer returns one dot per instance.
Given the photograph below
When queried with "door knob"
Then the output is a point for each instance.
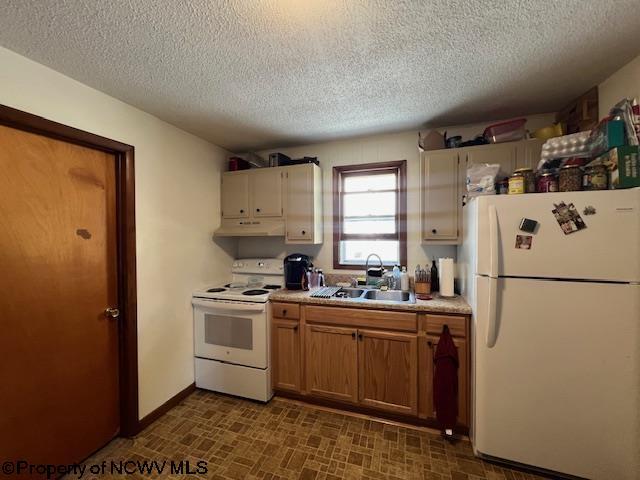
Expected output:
(112, 312)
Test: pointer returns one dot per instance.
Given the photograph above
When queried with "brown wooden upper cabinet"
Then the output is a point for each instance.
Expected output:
(235, 195)
(443, 184)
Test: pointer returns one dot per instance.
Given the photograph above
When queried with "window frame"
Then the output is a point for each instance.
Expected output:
(399, 168)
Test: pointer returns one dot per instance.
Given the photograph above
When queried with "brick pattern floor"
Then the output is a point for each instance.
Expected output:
(240, 439)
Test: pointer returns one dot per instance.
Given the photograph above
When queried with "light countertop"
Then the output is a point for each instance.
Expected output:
(456, 305)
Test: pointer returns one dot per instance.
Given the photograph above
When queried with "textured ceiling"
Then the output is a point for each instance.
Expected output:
(262, 73)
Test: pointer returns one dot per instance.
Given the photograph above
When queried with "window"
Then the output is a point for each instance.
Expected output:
(369, 214)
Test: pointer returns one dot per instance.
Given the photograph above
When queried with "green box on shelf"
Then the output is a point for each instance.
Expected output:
(624, 163)
(608, 135)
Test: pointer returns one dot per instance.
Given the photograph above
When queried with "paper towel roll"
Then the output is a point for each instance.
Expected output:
(445, 275)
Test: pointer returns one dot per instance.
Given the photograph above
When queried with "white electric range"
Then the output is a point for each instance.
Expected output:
(231, 330)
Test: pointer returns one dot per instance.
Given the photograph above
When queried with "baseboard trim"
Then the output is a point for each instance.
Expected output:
(164, 408)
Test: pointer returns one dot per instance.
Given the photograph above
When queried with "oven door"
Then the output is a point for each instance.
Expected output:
(233, 332)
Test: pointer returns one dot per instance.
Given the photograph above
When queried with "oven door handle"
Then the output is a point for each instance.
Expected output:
(229, 307)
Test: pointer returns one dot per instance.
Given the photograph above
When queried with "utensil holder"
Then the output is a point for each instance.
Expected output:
(423, 288)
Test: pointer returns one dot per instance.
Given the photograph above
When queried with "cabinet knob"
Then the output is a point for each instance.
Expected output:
(295, 329)
(257, 209)
(284, 312)
(241, 211)
(304, 232)
(360, 336)
(434, 231)
(430, 344)
(353, 335)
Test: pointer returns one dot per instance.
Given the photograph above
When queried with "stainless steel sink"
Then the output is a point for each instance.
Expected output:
(350, 292)
(392, 295)
(369, 294)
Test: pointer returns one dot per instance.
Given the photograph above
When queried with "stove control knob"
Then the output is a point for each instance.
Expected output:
(260, 264)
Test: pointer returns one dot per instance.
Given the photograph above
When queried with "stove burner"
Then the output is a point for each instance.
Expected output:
(216, 290)
(272, 287)
(258, 291)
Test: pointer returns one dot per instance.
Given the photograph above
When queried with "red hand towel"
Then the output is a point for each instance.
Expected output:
(445, 381)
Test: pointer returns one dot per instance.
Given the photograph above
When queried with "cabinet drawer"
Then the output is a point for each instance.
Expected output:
(360, 317)
(285, 310)
(457, 325)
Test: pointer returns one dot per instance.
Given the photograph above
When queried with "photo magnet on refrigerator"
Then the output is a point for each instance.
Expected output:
(568, 218)
(524, 242)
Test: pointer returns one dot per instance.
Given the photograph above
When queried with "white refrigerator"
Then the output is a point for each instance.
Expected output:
(556, 330)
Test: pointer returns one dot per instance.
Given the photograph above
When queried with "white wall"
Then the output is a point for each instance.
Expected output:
(623, 83)
(177, 209)
(378, 148)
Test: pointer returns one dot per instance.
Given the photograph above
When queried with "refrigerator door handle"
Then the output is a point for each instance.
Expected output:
(492, 320)
(493, 241)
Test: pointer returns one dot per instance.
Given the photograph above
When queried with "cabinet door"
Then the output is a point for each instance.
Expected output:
(388, 371)
(440, 184)
(528, 153)
(503, 154)
(235, 195)
(285, 354)
(299, 211)
(266, 192)
(428, 349)
(331, 361)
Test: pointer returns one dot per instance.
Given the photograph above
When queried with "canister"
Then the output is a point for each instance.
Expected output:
(516, 183)
(570, 178)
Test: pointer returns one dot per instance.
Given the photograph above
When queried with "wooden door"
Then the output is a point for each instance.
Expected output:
(299, 212)
(430, 344)
(59, 368)
(331, 360)
(266, 192)
(388, 371)
(285, 354)
(440, 199)
(235, 195)
(503, 154)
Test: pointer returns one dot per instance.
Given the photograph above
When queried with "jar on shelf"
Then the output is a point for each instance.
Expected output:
(570, 178)
(547, 182)
(595, 177)
(529, 179)
(516, 183)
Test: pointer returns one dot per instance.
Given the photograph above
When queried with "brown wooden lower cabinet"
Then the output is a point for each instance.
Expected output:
(430, 344)
(331, 359)
(388, 368)
(286, 367)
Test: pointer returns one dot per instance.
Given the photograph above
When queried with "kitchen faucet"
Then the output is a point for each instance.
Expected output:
(366, 266)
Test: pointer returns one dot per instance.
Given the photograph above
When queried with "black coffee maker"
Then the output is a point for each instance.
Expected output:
(295, 271)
